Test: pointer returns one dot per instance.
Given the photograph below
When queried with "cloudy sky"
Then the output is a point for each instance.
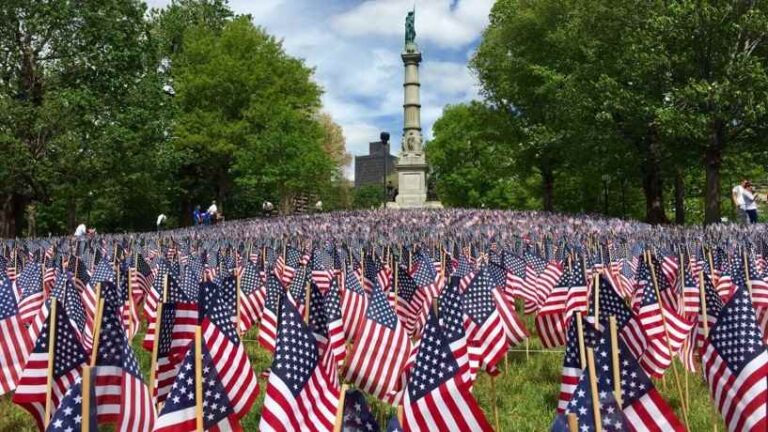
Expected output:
(355, 48)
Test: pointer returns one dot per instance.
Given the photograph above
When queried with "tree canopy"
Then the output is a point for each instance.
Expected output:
(604, 102)
(112, 114)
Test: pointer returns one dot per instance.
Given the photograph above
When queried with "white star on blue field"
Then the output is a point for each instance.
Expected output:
(354, 47)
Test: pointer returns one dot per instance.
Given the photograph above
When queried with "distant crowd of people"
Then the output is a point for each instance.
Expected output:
(208, 217)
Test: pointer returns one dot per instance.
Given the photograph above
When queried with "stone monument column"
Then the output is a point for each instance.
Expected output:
(411, 166)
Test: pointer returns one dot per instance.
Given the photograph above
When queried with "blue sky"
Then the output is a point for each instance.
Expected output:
(354, 47)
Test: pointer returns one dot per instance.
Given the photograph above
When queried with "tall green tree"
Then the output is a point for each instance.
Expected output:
(78, 90)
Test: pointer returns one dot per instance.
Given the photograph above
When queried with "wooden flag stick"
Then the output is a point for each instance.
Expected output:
(597, 300)
(580, 336)
(237, 301)
(746, 273)
(703, 299)
(307, 294)
(615, 360)
(198, 379)
(573, 422)
(339, 423)
(97, 331)
(51, 359)
(85, 412)
(655, 281)
(155, 344)
(400, 415)
(495, 405)
(593, 387)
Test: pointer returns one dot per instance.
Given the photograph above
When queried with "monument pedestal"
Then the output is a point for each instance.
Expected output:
(412, 183)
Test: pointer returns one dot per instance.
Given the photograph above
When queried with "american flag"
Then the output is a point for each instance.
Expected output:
(252, 297)
(268, 327)
(332, 308)
(179, 413)
(16, 344)
(452, 320)
(643, 406)
(121, 395)
(357, 415)
(572, 368)
(380, 351)
(300, 394)
(354, 303)
(735, 364)
(465, 271)
(550, 319)
(664, 329)
(69, 416)
(517, 283)
(68, 358)
(408, 303)
(322, 269)
(285, 268)
(32, 296)
(628, 326)
(582, 405)
(141, 278)
(65, 291)
(544, 276)
(690, 299)
(297, 290)
(437, 397)
(227, 353)
(485, 329)
(758, 286)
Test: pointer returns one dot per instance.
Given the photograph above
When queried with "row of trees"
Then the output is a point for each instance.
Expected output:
(111, 114)
(600, 105)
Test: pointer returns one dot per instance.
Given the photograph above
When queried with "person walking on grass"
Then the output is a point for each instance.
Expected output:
(737, 196)
(750, 203)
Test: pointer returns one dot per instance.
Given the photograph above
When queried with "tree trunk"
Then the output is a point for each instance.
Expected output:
(11, 215)
(713, 160)
(548, 184)
(653, 183)
(679, 197)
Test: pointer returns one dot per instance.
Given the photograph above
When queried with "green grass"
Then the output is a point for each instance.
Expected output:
(526, 392)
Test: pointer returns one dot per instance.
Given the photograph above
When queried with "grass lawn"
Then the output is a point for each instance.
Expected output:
(526, 392)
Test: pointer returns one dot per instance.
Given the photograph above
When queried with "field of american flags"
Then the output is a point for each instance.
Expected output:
(526, 393)
(385, 299)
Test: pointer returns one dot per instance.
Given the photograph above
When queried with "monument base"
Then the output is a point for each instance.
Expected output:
(412, 183)
(426, 204)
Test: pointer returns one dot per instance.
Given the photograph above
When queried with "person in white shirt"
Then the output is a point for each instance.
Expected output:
(737, 196)
(212, 210)
(160, 220)
(750, 203)
(80, 231)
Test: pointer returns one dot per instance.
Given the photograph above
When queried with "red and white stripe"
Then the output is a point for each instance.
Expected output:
(651, 410)
(741, 399)
(15, 348)
(137, 412)
(379, 358)
(489, 340)
(233, 368)
(449, 407)
(513, 326)
(108, 382)
(314, 409)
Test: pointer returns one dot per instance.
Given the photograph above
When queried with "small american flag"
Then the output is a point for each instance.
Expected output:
(32, 296)
(300, 394)
(485, 329)
(16, 344)
(252, 296)
(268, 327)
(381, 350)
(437, 397)
(69, 416)
(354, 303)
(332, 307)
(517, 284)
(357, 415)
(179, 414)
(68, 358)
(322, 269)
(228, 355)
(735, 364)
